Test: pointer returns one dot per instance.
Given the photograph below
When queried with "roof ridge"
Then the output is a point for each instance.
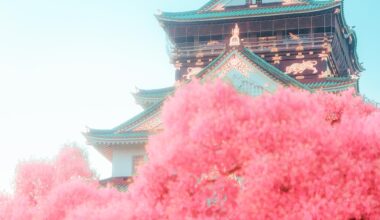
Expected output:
(146, 112)
(142, 92)
(203, 71)
(329, 83)
(212, 3)
(204, 14)
(136, 118)
(261, 62)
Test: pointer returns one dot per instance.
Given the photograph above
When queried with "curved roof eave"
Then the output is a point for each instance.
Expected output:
(352, 33)
(161, 17)
(213, 3)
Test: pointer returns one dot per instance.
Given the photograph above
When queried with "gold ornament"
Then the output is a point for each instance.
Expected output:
(191, 72)
(325, 74)
(276, 59)
(298, 68)
(235, 39)
(233, 63)
(324, 56)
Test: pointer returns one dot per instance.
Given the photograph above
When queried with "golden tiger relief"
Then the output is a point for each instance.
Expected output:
(298, 68)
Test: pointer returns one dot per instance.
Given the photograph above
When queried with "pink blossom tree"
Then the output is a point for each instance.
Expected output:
(225, 155)
(63, 188)
(291, 155)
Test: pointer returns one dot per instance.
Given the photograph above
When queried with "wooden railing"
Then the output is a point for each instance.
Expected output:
(263, 44)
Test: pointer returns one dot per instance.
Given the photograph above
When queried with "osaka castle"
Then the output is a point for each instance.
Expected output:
(257, 46)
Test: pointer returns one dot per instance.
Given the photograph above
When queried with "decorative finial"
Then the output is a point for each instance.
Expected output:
(235, 39)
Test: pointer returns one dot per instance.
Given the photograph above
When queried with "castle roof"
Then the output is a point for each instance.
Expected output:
(146, 98)
(216, 10)
(139, 128)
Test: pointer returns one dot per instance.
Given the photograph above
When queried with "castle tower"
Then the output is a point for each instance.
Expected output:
(255, 45)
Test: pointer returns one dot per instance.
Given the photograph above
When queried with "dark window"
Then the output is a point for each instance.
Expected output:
(292, 23)
(318, 21)
(216, 37)
(279, 24)
(266, 25)
(180, 40)
(204, 38)
(305, 22)
(180, 32)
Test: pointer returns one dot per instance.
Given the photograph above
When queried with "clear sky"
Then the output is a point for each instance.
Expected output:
(65, 65)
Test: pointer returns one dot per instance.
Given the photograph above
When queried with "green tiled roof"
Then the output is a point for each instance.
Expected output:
(147, 98)
(210, 65)
(212, 3)
(116, 138)
(331, 82)
(199, 15)
(128, 125)
(122, 135)
(352, 32)
(151, 110)
(154, 92)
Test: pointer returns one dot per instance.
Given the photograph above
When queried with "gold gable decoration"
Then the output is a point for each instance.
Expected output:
(152, 124)
(234, 62)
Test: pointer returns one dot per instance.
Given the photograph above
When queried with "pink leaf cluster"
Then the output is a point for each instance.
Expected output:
(225, 155)
(291, 155)
(63, 188)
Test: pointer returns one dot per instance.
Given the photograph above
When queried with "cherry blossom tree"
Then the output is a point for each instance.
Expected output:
(226, 155)
(63, 188)
(291, 155)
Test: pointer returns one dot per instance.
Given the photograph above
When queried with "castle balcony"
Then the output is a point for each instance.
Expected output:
(259, 45)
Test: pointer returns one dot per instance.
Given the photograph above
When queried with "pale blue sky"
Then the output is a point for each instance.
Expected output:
(69, 64)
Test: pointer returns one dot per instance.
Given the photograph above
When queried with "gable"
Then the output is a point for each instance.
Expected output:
(151, 124)
(148, 120)
(244, 75)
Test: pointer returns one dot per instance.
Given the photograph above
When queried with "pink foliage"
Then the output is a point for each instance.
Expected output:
(60, 189)
(292, 155)
(71, 163)
(225, 155)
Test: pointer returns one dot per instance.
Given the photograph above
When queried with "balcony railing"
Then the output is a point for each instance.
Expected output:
(258, 45)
